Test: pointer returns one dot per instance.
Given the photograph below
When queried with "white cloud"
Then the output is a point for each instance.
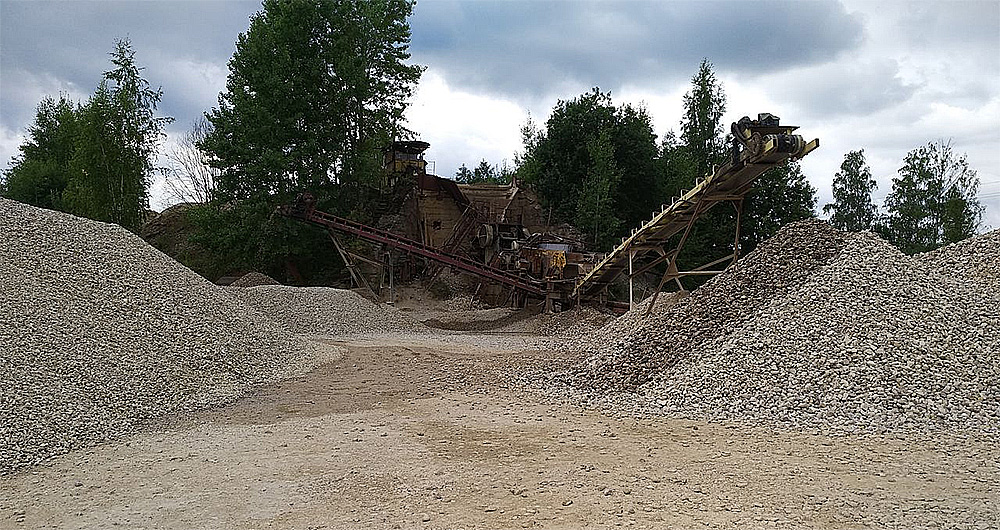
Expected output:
(190, 87)
(21, 97)
(9, 142)
(462, 127)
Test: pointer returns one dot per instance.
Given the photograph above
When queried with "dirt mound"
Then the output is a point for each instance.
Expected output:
(253, 279)
(823, 328)
(324, 310)
(101, 333)
(172, 231)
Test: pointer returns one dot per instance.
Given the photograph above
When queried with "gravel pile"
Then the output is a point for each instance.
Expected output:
(100, 333)
(253, 279)
(976, 259)
(776, 268)
(818, 328)
(630, 322)
(571, 324)
(325, 310)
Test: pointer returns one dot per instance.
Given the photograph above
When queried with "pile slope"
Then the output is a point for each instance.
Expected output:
(626, 361)
(325, 310)
(844, 332)
(253, 279)
(100, 333)
(974, 259)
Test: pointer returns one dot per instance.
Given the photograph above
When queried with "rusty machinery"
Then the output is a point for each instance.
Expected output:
(557, 270)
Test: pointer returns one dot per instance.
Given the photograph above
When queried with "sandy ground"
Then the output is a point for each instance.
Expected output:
(421, 432)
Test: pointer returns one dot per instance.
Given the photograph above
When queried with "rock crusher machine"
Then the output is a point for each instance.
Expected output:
(553, 269)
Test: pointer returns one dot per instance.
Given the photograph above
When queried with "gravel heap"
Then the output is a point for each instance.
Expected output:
(100, 333)
(253, 279)
(976, 259)
(325, 310)
(630, 322)
(713, 311)
(818, 328)
(570, 324)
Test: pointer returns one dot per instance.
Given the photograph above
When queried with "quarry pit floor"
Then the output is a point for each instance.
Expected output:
(421, 432)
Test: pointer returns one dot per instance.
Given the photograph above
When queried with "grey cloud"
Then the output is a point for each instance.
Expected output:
(528, 49)
(960, 24)
(845, 88)
(69, 42)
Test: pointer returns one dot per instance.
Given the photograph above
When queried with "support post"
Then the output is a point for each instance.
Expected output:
(739, 221)
(671, 271)
(631, 300)
(356, 275)
(392, 291)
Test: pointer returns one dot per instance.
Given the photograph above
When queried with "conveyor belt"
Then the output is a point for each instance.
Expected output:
(304, 210)
(763, 145)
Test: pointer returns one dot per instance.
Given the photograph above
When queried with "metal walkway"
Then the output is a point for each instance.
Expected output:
(759, 145)
(304, 209)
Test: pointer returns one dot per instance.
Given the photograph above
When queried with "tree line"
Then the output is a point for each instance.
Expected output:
(933, 201)
(316, 89)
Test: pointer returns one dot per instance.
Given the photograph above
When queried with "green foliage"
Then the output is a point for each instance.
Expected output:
(701, 126)
(852, 209)
(559, 162)
(97, 160)
(40, 173)
(463, 175)
(780, 196)
(676, 167)
(315, 90)
(595, 212)
(933, 201)
(484, 174)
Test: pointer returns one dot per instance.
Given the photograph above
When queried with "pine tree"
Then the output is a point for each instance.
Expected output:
(595, 210)
(40, 173)
(117, 146)
(96, 160)
(557, 161)
(463, 175)
(702, 130)
(852, 209)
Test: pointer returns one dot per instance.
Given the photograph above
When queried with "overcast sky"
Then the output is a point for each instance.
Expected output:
(886, 77)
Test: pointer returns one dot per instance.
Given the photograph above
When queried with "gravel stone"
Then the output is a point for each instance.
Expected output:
(820, 328)
(101, 333)
(976, 259)
(325, 311)
(253, 279)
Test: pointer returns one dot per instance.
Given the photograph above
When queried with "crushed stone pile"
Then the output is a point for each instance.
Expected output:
(101, 333)
(253, 279)
(818, 328)
(976, 258)
(714, 310)
(325, 310)
(572, 323)
(631, 321)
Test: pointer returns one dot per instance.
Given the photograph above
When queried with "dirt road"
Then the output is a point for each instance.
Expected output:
(404, 432)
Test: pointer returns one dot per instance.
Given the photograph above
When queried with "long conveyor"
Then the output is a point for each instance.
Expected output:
(304, 209)
(759, 145)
